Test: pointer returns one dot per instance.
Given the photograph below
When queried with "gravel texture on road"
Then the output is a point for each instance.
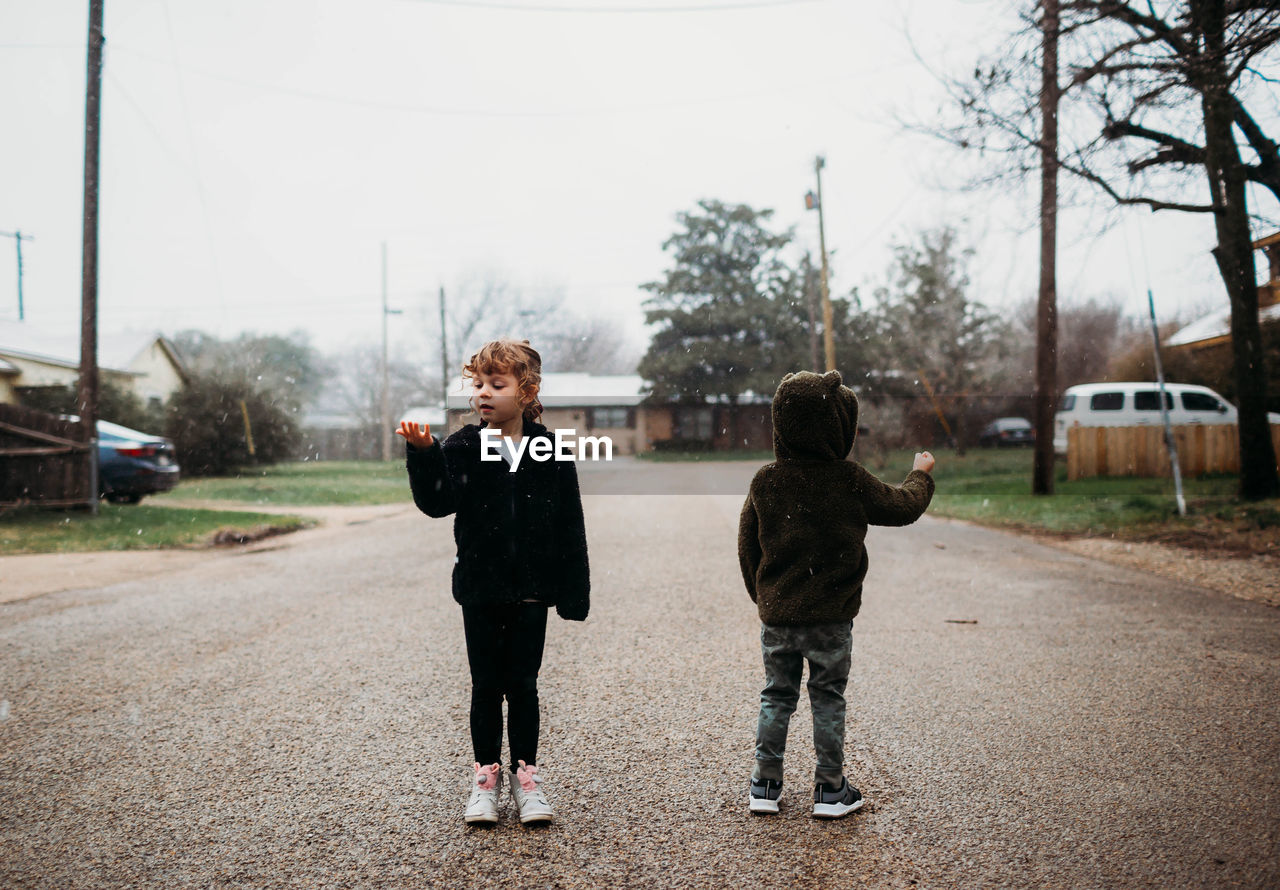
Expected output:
(1254, 577)
(297, 716)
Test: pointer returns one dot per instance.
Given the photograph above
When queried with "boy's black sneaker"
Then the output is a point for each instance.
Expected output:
(764, 795)
(830, 802)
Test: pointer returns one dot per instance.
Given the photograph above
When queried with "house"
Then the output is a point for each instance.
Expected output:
(32, 357)
(329, 433)
(431, 415)
(1213, 331)
(592, 404)
(615, 405)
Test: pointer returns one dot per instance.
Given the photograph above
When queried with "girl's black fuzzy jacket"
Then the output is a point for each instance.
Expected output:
(802, 529)
(520, 535)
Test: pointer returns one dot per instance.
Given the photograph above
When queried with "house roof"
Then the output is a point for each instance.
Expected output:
(330, 420)
(1211, 327)
(428, 414)
(8, 367)
(572, 390)
(116, 351)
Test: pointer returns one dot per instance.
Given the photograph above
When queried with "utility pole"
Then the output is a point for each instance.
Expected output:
(87, 395)
(18, 237)
(1047, 302)
(812, 202)
(444, 364)
(386, 373)
(811, 300)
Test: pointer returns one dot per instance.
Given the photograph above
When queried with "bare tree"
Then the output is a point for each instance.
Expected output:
(1090, 332)
(1156, 93)
(355, 385)
(592, 345)
(930, 334)
(486, 305)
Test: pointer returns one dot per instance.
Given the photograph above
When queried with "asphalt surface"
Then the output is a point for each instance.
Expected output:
(297, 717)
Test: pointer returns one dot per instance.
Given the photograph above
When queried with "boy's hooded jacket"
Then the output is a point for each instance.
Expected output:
(520, 535)
(801, 533)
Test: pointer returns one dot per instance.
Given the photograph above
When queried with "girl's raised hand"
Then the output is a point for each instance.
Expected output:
(417, 436)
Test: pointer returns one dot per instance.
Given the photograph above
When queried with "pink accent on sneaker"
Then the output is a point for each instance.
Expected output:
(528, 777)
(487, 776)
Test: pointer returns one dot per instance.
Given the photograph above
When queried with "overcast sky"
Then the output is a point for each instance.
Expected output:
(256, 154)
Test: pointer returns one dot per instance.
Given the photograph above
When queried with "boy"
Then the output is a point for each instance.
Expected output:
(800, 545)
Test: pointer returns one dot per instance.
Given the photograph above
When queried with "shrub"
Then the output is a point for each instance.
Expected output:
(115, 403)
(683, 446)
(206, 422)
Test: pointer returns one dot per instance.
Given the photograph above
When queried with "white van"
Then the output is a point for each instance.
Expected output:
(1138, 404)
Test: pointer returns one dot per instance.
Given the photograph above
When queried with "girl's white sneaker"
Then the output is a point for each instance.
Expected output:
(483, 805)
(529, 799)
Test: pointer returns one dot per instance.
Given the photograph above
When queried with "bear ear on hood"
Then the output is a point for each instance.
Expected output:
(832, 379)
(787, 376)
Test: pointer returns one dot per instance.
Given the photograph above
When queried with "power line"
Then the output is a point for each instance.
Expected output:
(442, 111)
(195, 158)
(40, 46)
(118, 86)
(330, 305)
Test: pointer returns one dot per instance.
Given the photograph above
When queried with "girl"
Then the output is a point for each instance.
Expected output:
(521, 549)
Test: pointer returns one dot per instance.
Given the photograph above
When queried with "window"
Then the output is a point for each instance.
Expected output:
(1198, 401)
(1107, 401)
(694, 423)
(1149, 400)
(610, 418)
(1068, 403)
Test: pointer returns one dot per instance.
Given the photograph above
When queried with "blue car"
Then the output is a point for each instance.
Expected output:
(132, 464)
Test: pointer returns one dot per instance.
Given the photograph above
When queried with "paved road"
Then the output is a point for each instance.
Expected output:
(297, 717)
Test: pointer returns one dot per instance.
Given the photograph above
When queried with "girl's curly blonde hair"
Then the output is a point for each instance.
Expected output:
(514, 357)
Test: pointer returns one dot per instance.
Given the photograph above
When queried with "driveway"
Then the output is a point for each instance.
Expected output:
(296, 716)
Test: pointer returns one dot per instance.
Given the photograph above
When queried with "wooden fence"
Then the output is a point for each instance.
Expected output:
(1140, 450)
(346, 444)
(43, 460)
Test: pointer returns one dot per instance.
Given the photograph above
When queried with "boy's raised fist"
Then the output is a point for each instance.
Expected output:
(924, 461)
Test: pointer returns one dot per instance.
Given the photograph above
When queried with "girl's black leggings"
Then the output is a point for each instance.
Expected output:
(504, 649)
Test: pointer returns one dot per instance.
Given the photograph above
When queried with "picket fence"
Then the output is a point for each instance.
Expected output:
(1140, 450)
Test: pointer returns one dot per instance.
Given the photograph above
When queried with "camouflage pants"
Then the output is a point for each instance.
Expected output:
(827, 647)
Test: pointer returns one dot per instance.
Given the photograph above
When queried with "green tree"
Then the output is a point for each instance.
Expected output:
(928, 333)
(728, 313)
(286, 370)
(116, 404)
(205, 420)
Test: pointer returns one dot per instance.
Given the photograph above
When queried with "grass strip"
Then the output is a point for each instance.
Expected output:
(662, 457)
(993, 487)
(142, 527)
(986, 486)
(302, 484)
